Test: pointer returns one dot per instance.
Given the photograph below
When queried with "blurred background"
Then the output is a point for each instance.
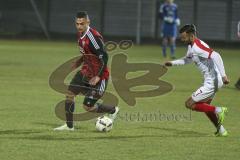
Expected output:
(138, 20)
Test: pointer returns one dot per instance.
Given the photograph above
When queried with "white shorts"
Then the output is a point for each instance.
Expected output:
(208, 90)
(204, 92)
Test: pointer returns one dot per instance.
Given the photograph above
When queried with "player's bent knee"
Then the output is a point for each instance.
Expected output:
(70, 96)
(188, 105)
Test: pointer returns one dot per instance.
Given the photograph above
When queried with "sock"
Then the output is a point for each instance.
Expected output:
(105, 109)
(69, 109)
(204, 107)
(213, 117)
(218, 109)
(222, 129)
(172, 48)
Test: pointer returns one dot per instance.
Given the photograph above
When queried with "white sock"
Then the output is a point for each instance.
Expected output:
(218, 109)
(222, 129)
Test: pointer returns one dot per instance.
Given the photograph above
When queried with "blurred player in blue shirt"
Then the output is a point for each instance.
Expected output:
(170, 21)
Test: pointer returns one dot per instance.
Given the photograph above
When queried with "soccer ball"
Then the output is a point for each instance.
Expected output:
(104, 124)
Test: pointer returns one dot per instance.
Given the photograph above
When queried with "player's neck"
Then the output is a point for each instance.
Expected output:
(193, 40)
(84, 32)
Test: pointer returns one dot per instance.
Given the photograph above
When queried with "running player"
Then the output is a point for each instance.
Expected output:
(211, 65)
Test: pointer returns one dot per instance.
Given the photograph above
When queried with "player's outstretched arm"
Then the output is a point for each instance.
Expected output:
(178, 62)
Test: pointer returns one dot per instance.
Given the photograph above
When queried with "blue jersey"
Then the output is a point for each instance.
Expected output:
(168, 14)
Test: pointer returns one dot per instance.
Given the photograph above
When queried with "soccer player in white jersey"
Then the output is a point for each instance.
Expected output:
(211, 65)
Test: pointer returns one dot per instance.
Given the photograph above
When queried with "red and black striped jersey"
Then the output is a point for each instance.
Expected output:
(94, 56)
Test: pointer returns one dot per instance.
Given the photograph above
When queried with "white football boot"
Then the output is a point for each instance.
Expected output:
(114, 115)
(63, 128)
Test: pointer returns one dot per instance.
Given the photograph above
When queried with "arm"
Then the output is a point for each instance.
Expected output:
(217, 59)
(178, 62)
(98, 49)
(182, 61)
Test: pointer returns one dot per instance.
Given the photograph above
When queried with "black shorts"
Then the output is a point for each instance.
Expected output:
(80, 86)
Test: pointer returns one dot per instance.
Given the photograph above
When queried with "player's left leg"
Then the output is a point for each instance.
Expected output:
(200, 102)
(77, 86)
(166, 33)
(210, 111)
(90, 105)
(212, 116)
(221, 131)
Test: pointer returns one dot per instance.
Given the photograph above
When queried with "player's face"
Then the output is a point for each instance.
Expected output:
(82, 24)
(186, 38)
(169, 1)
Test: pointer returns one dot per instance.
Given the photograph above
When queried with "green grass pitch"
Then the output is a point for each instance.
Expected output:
(27, 114)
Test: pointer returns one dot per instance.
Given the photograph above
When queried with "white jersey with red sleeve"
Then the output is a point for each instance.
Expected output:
(208, 62)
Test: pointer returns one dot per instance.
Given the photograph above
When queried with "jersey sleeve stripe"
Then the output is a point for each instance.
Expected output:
(94, 42)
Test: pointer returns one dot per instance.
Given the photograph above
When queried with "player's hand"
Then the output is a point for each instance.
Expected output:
(225, 80)
(93, 81)
(168, 64)
(178, 22)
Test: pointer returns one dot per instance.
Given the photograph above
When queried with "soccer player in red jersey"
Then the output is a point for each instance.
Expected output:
(92, 79)
(211, 66)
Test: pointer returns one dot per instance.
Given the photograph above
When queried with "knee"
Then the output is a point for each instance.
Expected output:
(188, 105)
(70, 96)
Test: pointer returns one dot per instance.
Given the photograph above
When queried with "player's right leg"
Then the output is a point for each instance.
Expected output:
(164, 46)
(76, 86)
(172, 42)
(165, 38)
(69, 109)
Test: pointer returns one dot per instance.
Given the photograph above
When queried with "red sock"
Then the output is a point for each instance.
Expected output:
(203, 107)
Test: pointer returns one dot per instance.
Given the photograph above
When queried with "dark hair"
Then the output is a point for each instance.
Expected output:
(188, 28)
(82, 14)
